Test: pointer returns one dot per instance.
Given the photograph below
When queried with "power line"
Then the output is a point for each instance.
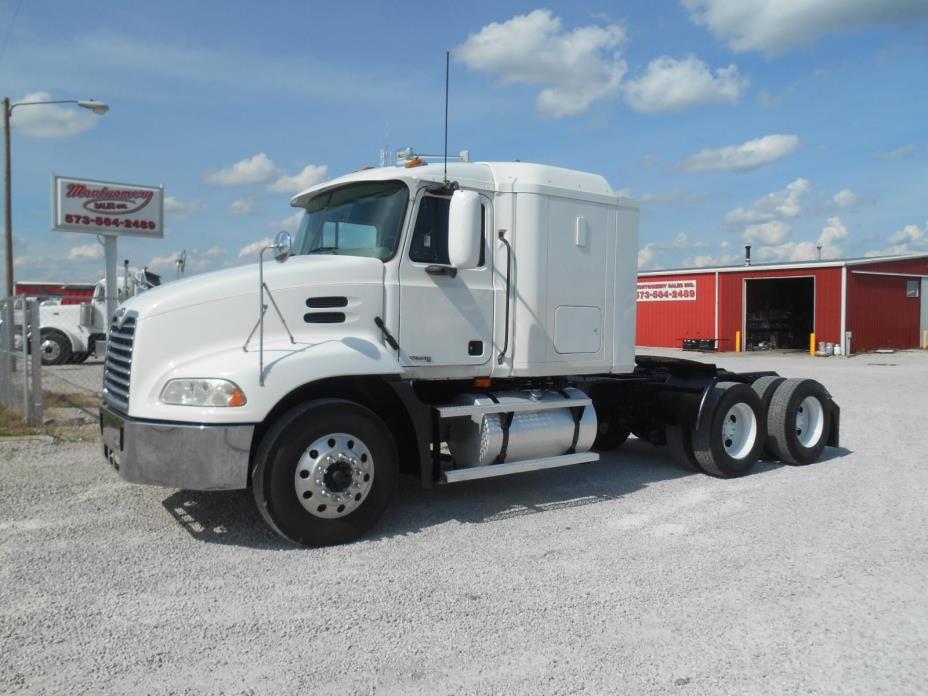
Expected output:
(9, 29)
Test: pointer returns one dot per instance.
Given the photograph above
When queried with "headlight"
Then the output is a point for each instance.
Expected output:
(202, 392)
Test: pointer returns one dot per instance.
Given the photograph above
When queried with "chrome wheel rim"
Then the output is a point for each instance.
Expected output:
(51, 350)
(334, 475)
(810, 421)
(739, 431)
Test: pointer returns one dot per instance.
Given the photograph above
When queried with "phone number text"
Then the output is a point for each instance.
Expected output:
(100, 221)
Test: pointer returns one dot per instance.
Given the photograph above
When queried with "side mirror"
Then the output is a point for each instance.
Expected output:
(464, 223)
(283, 245)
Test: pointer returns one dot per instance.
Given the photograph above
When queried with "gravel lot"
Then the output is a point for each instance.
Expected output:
(625, 576)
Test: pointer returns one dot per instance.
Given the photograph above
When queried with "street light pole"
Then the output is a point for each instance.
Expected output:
(8, 198)
(98, 108)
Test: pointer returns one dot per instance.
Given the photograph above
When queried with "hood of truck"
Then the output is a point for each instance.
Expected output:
(240, 285)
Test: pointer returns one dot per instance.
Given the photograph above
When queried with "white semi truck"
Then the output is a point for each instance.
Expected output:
(455, 326)
(70, 332)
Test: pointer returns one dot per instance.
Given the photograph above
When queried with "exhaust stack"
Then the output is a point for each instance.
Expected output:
(747, 254)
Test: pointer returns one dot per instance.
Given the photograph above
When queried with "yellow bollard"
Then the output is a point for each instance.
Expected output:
(737, 341)
(812, 344)
(925, 341)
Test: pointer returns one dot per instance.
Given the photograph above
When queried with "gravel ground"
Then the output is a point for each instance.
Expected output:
(625, 576)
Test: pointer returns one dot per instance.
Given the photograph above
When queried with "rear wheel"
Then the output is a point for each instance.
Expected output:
(325, 473)
(56, 347)
(799, 421)
(609, 432)
(680, 444)
(765, 388)
(730, 436)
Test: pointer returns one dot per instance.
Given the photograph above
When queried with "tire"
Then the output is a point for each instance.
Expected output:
(78, 358)
(680, 444)
(731, 434)
(799, 421)
(56, 347)
(350, 464)
(610, 434)
(765, 388)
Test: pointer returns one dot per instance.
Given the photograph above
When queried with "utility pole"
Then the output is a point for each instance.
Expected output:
(7, 199)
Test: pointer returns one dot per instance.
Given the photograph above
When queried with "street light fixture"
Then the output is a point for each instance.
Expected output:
(97, 107)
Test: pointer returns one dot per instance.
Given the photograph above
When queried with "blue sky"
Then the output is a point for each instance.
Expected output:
(786, 125)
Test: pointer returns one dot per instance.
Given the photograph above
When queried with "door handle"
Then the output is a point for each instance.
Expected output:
(436, 269)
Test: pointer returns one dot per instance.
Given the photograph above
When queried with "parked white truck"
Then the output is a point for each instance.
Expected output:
(70, 332)
(456, 328)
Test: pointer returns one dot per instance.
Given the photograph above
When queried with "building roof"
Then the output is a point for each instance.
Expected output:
(740, 268)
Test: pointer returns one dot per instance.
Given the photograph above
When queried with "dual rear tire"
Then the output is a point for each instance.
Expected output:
(781, 419)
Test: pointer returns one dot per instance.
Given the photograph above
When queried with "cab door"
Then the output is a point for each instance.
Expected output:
(446, 315)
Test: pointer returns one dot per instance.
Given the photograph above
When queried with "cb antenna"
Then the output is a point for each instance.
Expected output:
(447, 71)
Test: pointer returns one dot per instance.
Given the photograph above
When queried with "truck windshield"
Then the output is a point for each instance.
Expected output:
(354, 220)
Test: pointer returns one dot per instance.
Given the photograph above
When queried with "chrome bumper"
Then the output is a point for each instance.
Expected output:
(176, 455)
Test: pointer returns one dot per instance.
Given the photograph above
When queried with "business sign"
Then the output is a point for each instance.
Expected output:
(667, 291)
(102, 207)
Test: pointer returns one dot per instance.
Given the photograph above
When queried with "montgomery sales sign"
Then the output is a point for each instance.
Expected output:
(102, 207)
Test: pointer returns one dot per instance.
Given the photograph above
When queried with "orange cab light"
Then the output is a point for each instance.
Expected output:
(417, 162)
(237, 398)
(483, 382)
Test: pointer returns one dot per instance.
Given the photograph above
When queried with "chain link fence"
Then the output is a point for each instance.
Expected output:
(21, 359)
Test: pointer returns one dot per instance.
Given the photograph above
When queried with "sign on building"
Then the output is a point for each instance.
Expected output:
(103, 207)
(667, 291)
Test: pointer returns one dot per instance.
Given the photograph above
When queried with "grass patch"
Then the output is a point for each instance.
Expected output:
(59, 400)
(11, 425)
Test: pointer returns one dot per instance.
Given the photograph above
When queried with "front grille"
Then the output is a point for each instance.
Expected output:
(118, 366)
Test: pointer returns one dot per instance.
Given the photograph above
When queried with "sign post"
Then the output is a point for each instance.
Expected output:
(111, 210)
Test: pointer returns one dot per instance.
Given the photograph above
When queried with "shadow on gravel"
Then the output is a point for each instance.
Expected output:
(230, 517)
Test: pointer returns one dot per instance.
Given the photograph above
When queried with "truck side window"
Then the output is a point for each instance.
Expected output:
(430, 236)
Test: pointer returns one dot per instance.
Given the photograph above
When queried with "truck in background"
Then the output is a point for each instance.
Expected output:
(455, 326)
(71, 328)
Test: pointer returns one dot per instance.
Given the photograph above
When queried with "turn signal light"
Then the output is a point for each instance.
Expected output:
(417, 162)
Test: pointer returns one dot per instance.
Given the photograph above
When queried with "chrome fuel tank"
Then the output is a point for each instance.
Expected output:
(532, 434)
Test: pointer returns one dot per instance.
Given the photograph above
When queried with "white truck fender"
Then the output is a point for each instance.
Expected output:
(286, 368)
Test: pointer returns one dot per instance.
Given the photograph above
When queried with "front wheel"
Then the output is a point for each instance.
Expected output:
(56, 348)
(325, 472)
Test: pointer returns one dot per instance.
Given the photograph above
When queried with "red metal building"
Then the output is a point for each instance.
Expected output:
(880, 302)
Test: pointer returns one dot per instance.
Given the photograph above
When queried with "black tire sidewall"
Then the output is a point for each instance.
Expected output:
(782, 419)
(680, 444)
(54, 335)
(280, 452)
(707, 440)
(766, 387)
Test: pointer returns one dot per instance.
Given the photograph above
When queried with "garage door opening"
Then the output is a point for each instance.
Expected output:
(779, 313)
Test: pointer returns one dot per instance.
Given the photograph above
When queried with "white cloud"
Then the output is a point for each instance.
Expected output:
(577, 67)
(179, 209)
(899, 152)
(705, 260)
(251, 170)
(646, 256)
(241, 206)
(772, 26)
(291, 223)
(786, 203)
(833, 232)
(197, 261)
(670, 84)
(253, 249)
(311, 175)
(845, 198)
(750, 155)
(910, 234)
(829, 240)
(52, 120)
(772, 232)
(85, 252)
